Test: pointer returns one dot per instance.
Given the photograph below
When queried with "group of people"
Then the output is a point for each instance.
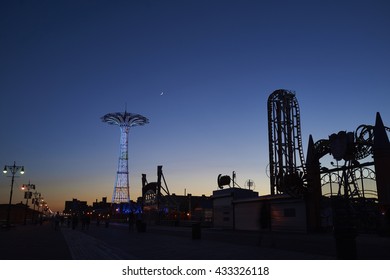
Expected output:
(73, 221)
(104, 218)
(58, 221)
(136, 220)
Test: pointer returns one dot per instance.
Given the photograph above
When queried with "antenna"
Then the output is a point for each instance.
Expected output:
(250, 184)
(226, 179)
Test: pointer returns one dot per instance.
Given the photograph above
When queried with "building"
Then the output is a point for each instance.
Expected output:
(243, 209)
(224, 205)
(101, 206)
(75, 206)
(19, 213)
(178, 209)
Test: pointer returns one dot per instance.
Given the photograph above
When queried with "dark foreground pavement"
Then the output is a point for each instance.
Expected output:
(33, 242)
(116, 242)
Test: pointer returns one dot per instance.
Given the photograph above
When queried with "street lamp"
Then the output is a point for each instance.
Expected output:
(27, 196)
(35, 201)
(13, 169)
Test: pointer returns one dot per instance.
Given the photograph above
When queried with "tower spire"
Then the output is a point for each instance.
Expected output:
(382, 162)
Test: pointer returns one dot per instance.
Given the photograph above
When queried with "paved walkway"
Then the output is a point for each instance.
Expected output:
(85, 247)
(33, 242)
(170, 243)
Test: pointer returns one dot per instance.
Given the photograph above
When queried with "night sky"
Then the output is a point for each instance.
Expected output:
(64, 64)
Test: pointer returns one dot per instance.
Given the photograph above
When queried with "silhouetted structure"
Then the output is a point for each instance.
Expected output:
(20, 213)
(101, 208)
(75, 206)
(124, 121)
(352, 152)
(224, 206)
(286, 161)
(381, 152)
(344, 181)
(153, 192)
(160, 205)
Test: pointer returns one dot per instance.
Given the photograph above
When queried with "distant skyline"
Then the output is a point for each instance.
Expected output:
(65, 64)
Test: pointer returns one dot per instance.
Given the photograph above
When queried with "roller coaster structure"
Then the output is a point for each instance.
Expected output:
(286, 160)
(290, 174)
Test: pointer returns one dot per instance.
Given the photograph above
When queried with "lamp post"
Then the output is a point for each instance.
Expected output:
(13, 169)
(42, 204)
(35, 201)
(27, 196)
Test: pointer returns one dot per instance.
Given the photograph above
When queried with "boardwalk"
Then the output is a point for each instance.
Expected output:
(170, 243)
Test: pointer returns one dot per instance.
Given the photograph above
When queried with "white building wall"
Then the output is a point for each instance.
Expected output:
(223, 212)
(248, 215)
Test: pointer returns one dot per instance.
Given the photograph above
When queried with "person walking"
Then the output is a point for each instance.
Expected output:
(57, 220)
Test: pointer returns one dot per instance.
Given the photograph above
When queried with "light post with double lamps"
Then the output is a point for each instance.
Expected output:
(35, 201)
(27, 196)
(41, 203)
(13, 169)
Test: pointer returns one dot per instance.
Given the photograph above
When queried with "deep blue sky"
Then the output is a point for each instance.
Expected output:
(64, 64)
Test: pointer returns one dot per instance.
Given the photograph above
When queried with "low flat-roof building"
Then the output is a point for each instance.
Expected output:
(243, 209)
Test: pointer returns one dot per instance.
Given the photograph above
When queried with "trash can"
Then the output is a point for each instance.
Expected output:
(196, 231)
(346, 245)
(141, 226)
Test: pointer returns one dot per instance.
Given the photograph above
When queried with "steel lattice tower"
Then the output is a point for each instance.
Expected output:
(124, 121)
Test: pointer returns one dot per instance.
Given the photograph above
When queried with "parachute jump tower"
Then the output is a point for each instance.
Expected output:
(124, 120)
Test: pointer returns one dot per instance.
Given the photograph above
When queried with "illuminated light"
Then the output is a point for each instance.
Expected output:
(22, 170)
(5, 170)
